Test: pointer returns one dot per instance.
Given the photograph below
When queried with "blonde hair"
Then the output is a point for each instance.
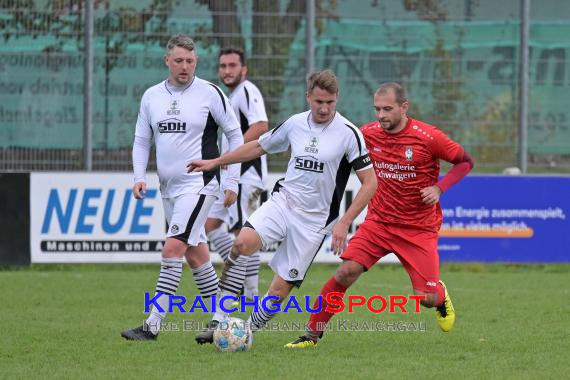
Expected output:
(180, 40)
(325, 80)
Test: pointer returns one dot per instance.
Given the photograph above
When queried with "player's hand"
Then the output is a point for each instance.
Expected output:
(201, 166)
(339, 233)
(430, 195)
(139, 190)
(229, 198)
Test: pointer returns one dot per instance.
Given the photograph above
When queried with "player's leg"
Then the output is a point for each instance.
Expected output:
(203, 272)
(290, 264)
(250, 197)
(266, 225)
(363, 251)
(266, 308)
(417, 250)
(339, 282)
(217, 232)
(186, 216)
(251, 283)
(232, 278)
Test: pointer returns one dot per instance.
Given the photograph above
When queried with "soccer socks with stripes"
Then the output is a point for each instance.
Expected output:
(168, 281)
(258, 319)
(320, 319)
(231, 281)
(221, 241)
(206, 281)
(252, 276)
(233, 275)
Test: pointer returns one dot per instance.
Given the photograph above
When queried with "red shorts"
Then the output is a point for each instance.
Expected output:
(416, 249)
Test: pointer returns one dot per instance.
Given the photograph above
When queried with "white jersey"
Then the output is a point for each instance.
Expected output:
(184, 124)
(248, 105)
(321, 160)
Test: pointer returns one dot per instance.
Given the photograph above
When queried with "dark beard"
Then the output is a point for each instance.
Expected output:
(235, 83)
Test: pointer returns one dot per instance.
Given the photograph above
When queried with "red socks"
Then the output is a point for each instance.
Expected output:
(318, 320)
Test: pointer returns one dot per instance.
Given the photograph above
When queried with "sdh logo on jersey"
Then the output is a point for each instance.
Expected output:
(173, 110)
(312, 147)
(309, 163)
(172, 125)
(409, 153)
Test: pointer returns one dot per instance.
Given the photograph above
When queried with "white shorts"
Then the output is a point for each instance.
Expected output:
(297, 245)
(186, 215)
(235, 215)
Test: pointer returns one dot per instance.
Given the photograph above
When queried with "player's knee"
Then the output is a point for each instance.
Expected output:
(244, 246)
(240, 247)
(174, 248)
(348, 273)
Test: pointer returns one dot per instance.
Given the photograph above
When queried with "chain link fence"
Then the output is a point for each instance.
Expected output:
(458, 59)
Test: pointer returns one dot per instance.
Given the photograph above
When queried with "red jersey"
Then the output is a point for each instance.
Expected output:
(406, 162)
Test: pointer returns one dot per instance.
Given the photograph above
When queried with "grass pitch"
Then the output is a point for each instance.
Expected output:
(65, 321)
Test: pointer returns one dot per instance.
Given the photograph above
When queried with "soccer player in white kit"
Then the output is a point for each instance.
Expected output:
(304, 206)
(182, 115)
(249, 107)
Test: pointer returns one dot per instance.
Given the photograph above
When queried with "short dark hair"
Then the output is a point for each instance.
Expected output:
(399, 91)
(233, 50)
(325, 80)
(180, 40)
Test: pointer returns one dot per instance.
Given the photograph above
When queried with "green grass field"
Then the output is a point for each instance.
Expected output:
(64, 322)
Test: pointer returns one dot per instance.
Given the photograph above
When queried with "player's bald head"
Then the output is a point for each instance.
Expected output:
(393, 88)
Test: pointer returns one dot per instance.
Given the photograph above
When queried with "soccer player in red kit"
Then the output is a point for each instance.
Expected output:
(404, 215)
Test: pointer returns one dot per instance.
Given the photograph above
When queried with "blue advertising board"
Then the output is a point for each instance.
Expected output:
(506, 219)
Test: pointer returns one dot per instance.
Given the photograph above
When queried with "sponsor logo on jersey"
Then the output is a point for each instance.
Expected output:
(309, 163)
(172, 125)
(173, 110)
(377, 149)
(409, 153)
(312, 147)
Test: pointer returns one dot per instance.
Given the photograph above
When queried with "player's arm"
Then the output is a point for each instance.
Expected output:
(224, 115)
(255, 130)
(255, 114)
(462, 165)
(446, 149)
(367, 178)
(274, 141)
(245, 152)
(141, 152)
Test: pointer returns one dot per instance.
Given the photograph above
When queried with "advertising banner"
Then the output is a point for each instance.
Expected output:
(507, 219)
(93, 217)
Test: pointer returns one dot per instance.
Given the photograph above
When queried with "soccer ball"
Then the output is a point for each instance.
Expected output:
(232, 335)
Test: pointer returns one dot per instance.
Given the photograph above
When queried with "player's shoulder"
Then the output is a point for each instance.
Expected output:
(371, 128)
(206, 86)
(247, 94)
(156, 90)
(423, 130)
(210, 91)
(345, 125)
(298, 118)
(291, 122)
(250, 87)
